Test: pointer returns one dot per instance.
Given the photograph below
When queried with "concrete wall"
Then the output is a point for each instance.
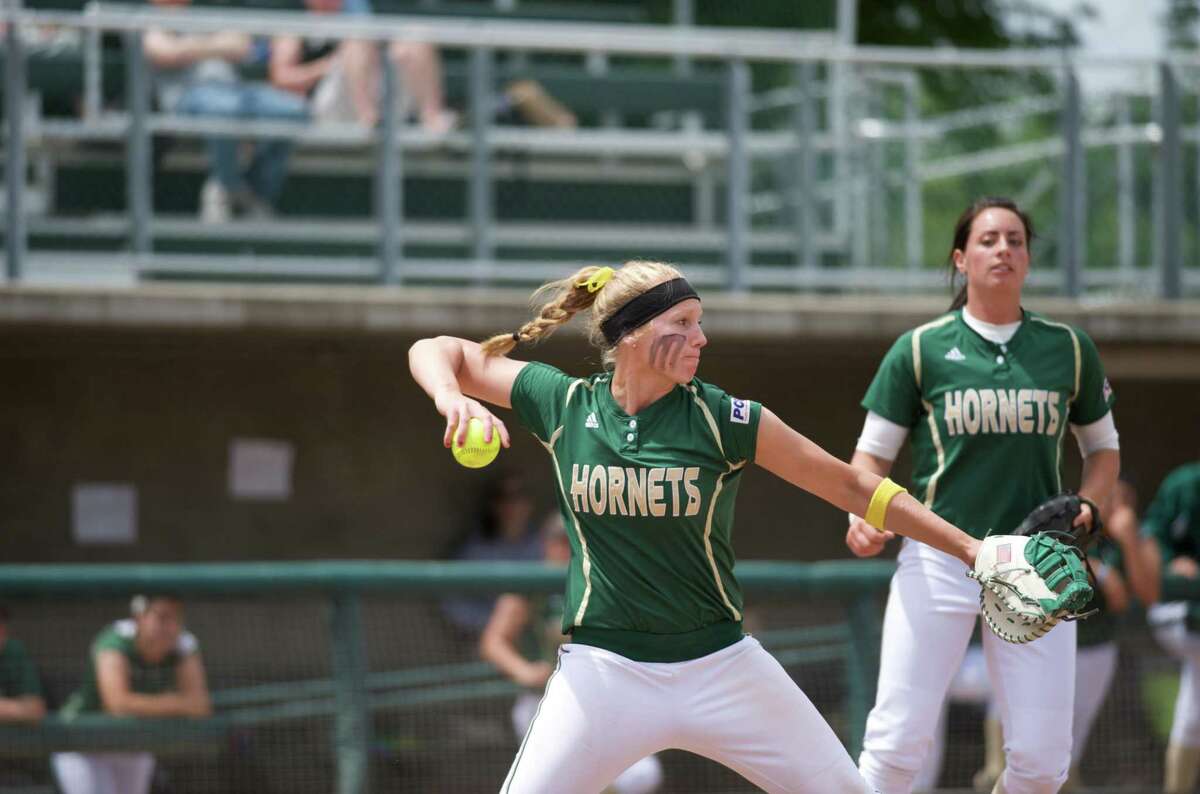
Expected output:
(158, 409)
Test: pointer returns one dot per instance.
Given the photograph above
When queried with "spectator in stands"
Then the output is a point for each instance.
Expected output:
(147, 666)
(196, 74)
(20, 688)
(521, 639)
(343, 79)
(503, 530)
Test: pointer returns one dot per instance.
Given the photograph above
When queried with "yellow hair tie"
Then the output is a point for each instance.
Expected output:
(597, 279)
(877, 509)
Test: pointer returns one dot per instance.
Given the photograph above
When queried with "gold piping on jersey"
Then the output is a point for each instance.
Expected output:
(1075, 344)
(712, 504)
(1062, 432)
(931, 489)
(708, 417)
(916, 343)
(586, 563)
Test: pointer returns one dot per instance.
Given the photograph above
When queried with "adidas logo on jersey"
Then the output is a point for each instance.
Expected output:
(955, 355)
(591, 423)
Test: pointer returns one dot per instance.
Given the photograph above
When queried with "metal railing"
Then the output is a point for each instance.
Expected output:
(825, 221)
(354, 692)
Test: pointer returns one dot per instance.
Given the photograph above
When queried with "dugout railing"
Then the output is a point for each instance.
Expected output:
(837, 637)
(824, 171)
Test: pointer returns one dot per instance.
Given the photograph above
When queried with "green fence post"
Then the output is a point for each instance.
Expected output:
(351, 723)
(862, 667)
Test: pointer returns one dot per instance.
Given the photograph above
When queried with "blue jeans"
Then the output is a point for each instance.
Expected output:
(268, 166)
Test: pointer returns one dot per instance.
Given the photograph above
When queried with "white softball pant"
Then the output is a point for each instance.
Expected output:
(969, 685)
(103, 773)
(643, 777)
(932, 609)
(602, 713)
(1095, 667)
(1172, 634)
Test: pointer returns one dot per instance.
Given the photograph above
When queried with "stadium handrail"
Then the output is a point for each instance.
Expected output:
(790, 46)
(735, 147)
(354, 692)
(840, 578)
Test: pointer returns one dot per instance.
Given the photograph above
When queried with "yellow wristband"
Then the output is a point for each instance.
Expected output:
(880, 500)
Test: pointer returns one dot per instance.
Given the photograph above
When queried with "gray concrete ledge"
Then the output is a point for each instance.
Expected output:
(477, 311)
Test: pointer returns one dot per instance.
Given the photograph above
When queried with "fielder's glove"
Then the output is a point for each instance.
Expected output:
(1029, 584)
(1057, 514)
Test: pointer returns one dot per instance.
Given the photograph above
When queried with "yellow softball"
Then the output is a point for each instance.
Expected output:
(475, 453)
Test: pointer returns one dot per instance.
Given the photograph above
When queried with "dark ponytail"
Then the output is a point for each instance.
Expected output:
(962, 233)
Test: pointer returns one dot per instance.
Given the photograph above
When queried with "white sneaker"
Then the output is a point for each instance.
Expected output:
(215, 203)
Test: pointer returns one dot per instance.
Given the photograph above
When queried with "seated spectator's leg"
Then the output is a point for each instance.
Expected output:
(360, 66)
(420, 67)
(268, 167)
(331, 101)
(219, 100)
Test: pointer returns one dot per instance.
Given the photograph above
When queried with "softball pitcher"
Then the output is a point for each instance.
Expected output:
(986, 393)
(1173, 521)
(648, 460)
(522, 638)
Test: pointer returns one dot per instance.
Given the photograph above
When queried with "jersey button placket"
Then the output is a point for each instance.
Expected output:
(631, 437)
(1003, 362)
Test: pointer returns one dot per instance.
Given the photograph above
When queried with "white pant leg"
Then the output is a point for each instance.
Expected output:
(600, 715)
(969, 685)
(78, 773)
(931, 611)
(642, 778)
(1185, 646)
(523, 710)
(743, 710)
(1034, 688)
(103, 773)
(1094, 669)
(931, 768)
(132, 771)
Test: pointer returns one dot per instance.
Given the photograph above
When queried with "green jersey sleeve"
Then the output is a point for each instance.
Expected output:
(1095, 398)
(110, 639)
(737, 422)
(894, 393)
(1169, 505)
(18, 675)
(538, 396)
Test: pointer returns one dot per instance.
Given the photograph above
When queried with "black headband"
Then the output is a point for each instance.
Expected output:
(646, 307)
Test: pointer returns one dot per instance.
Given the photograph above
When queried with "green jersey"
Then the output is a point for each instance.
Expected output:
(1173, 518)
(18, 676)
(144, 678)
(648, 503)
(987, 420)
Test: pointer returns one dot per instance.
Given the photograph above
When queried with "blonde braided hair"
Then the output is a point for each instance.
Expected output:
(568, 298)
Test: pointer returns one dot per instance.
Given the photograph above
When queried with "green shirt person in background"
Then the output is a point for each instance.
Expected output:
(20, 688)
(147, 666)
(1172, 521)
